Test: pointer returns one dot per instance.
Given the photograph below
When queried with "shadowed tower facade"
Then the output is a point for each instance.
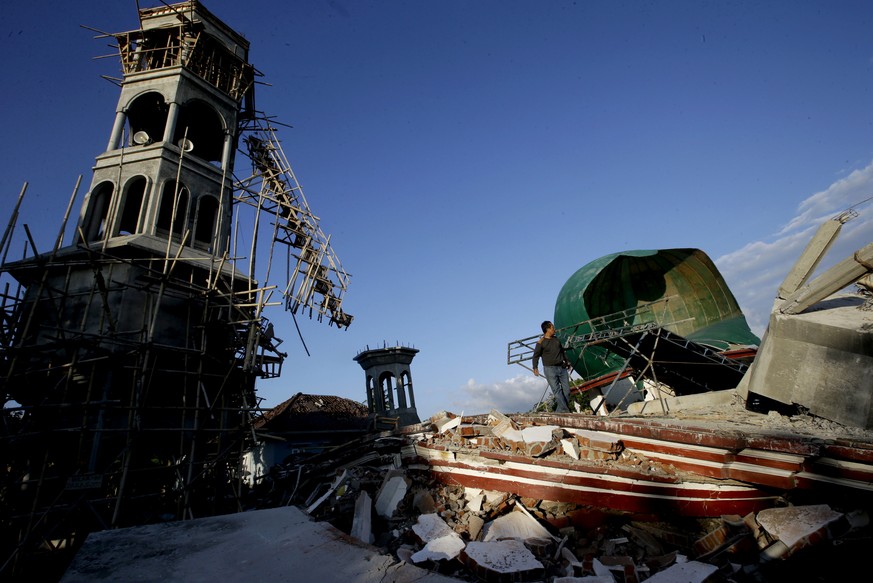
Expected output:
(132, 353)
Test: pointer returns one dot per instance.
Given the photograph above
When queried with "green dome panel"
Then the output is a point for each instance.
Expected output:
(693, 300)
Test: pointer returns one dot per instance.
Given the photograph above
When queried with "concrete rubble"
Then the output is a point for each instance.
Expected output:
(480, 534)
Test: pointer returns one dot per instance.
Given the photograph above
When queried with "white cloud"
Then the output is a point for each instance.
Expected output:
(836, 198)
(755, 271)
(518, 394)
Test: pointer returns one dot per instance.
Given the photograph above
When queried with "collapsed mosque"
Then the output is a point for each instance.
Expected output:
(129, 358)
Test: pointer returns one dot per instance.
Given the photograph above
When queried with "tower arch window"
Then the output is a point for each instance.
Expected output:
(173, 210)
(386, 390)
(131, 206)
(204, 226)
(203, 127)
(371, 394)
(147, 113)
(404, 389)
(94, 225)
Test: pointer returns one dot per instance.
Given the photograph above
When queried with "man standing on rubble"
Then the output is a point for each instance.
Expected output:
(555, 366)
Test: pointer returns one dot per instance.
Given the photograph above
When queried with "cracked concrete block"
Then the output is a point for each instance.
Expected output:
(474, 503)
(502, 561)
(571, 448)
(537, 433)
(515, 525)
(440, 541)
(444, 425)
(391, 492)
(474, 526)
(361, 522)
(799, 527)
(429, 527)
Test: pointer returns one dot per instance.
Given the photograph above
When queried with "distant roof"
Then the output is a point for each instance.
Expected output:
(314, 413)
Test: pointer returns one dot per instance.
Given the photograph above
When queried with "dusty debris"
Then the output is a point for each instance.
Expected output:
(428, 521)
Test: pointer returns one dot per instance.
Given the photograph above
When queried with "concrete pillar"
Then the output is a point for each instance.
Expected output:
(810, 258)
(227, 153)
(117, 129)
(833, 280)
(172, 117)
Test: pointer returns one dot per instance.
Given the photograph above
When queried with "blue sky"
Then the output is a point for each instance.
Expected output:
(467, 157)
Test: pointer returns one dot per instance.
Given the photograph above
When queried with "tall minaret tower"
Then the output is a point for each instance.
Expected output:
(132, 353)
(167, 169)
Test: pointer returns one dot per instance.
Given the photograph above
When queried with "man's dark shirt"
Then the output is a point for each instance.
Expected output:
(550, 350)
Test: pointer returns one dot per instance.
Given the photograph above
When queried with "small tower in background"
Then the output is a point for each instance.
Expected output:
(389, 382)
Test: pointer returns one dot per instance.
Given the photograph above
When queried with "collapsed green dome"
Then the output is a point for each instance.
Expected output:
(693, 300)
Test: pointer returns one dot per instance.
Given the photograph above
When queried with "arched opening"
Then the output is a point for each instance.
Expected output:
(147, 113)
(371, 394)
(131, 206)
(386, 391)
(204, 225)
(201, 125)
(94, 225)
(173, 210)
(405, 387)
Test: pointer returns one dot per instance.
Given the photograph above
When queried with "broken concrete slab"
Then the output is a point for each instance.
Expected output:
(447, 424)
(391, 492)
(798, 527)
(362, 528)
(440, 541)
(536, 433)
(516, 525)
(502, 561)
(474, 526)
(474, 500)
(271, 545)
(571, 448)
